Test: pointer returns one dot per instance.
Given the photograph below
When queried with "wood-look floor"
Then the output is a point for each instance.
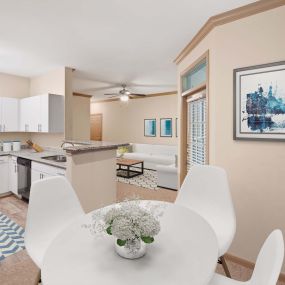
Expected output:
(19, 269)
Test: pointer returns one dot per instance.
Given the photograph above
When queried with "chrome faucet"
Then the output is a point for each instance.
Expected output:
(66, 143)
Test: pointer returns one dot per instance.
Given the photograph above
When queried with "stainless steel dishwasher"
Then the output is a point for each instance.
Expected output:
(24, 177)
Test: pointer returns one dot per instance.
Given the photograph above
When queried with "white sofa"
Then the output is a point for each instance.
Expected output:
(167, 176)
(152, 154)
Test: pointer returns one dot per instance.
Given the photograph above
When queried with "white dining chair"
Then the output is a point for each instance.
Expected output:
(53, 205)
(205, 190)
(267, 267)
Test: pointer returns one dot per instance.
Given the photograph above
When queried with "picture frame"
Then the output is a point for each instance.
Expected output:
(259, 102)
(150, 127)
(176, 127)
(166, 127)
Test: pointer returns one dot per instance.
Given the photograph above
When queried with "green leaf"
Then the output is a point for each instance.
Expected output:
(121, 242)
(109, 230)
(147, 239)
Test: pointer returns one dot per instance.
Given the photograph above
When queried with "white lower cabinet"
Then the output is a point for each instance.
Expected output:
(13, 175)
(41, 171)
(4, 174)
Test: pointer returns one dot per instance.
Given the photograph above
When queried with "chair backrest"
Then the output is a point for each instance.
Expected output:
(269, 260)
(53, 205)
(206, 191)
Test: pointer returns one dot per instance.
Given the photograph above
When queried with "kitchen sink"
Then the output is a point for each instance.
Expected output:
(56, 158)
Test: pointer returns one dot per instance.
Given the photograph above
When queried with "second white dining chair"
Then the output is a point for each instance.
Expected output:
(206, 191)
(53, 205)
(267, 267)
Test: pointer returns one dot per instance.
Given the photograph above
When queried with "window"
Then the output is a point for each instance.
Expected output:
(196, 131)
(195, 77)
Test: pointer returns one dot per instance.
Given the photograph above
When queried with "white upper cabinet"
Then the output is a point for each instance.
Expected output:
(9, 114)
(42, 113)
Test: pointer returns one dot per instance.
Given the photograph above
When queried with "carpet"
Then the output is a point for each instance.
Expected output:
(11, 237)
(146, 180)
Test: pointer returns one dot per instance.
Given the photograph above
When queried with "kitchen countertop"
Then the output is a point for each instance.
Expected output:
(90, 146)
(37, 156)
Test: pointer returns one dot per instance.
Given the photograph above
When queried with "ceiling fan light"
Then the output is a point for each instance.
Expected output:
(124, 98)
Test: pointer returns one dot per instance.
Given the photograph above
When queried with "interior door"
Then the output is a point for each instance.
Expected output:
(96, 127)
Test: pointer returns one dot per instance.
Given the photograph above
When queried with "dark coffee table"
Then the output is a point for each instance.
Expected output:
(126, 167)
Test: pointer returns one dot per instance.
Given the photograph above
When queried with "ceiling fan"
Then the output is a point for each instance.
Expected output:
(124, 94)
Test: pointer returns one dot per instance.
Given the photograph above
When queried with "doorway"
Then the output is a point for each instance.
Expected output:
(96, 121)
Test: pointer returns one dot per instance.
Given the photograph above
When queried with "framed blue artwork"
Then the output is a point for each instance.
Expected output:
(259, 102)
(150, 127)
(166, 127)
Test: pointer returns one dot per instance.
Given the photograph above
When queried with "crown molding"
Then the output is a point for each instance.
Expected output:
(227, 17)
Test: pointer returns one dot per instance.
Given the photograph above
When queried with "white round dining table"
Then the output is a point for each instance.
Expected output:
(184, 252)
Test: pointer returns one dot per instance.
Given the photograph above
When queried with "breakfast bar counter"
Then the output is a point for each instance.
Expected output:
(91, 169)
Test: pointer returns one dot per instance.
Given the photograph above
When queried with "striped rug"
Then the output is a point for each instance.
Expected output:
(11, 237)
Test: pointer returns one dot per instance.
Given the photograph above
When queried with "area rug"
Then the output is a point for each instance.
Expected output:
(11, 237)
(146, 180)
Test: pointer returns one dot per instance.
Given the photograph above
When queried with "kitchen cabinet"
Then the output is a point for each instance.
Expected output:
(42, 113)
(4, 161)
(41, 171)
(13, 175)
(9, 114)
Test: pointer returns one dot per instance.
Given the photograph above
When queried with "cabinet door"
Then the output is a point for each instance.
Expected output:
(13, 175)
(30, 114)
(4, 174)
(35, 111)
(25, 115)
(36, 175)
(44, 113)
(10, 117)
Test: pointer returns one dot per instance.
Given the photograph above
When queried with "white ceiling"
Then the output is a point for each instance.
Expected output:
(108, 42)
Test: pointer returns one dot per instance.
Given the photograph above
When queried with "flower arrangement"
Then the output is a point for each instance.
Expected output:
(131, 222)
(132, 225)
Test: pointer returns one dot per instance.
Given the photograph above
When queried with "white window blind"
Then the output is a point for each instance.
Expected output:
(196, 133)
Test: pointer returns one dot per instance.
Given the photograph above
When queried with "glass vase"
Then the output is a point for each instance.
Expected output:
(133, 249)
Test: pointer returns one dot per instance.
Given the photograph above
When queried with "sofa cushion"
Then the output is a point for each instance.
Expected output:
(155, 159)
(155, 149)
(137, 156)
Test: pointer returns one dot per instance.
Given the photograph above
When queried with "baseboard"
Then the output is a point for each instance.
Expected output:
(247, 264)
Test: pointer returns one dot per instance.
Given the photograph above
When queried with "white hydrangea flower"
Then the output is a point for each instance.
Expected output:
(128, 220)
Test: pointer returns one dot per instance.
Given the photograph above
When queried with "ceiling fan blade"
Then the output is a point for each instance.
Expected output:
(111, 94)
(134, 94)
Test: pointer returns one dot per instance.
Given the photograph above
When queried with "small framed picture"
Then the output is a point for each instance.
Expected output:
(150, 127)
(166, 127)
(259, 102)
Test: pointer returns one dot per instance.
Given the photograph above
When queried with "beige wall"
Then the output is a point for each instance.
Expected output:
(255, 169)
(81, 118)
(51, 82)
(125, 121)
(15, 87)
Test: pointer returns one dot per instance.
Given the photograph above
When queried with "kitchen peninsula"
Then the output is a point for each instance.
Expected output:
(91, 169)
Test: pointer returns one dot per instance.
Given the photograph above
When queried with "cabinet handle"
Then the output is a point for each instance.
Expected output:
(40, 127)
(4, 127)
(15, 168)
(0, 128)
